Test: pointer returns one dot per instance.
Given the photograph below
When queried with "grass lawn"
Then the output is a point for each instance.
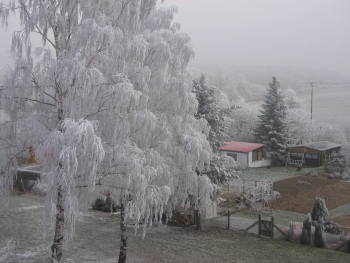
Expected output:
(97, 240)
(277, 173)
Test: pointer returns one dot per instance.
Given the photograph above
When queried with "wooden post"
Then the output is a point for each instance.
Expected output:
(259, 224)
(228, 219)
(20, 183)
(272, 227)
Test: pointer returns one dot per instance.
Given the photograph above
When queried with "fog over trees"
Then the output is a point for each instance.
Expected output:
(107, 106)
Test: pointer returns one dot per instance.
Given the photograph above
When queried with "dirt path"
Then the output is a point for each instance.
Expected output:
(97, 240)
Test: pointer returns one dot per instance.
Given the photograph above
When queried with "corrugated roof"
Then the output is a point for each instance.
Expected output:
(319, 146)
(244, 147)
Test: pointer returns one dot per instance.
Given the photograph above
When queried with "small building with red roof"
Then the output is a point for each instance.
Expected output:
(247, 154)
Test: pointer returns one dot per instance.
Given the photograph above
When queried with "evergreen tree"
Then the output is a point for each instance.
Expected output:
(221, 168)
(271, 129)
(209, 110)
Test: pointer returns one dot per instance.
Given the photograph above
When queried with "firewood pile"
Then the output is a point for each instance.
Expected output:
(181, 219)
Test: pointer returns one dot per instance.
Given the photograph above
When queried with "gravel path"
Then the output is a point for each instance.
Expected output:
(97, 240)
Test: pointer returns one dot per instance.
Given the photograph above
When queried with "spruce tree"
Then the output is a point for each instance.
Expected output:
(271, 129)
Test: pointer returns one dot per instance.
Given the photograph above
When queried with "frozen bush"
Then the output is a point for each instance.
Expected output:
(320, 210)
(305, 234)
(39, 188)
(320, 237)
(345, 176)
(104, 205)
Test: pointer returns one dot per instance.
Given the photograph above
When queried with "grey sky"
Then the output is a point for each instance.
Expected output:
(301, 33)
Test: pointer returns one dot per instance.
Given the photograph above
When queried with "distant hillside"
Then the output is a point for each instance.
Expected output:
(250, 82)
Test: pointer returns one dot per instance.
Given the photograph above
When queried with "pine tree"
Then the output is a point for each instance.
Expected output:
(271, 129)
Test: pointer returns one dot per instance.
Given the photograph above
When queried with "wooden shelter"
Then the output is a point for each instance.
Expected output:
(312, 154)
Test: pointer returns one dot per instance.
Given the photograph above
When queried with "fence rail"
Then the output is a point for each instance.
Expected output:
(256, 226)
(239, 185)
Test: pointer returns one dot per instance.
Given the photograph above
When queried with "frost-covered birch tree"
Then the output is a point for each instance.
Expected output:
(50, 95)
(164, 139)
(245, 120)
(109, 73)
(298, 124)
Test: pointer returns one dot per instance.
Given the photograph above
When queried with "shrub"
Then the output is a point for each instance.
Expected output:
(305, 234)
(320, 210)
(336, 163)
(104, 205)
(320, 237)
(39, 188)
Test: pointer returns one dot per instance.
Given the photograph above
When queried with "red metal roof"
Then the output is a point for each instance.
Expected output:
(243, 147)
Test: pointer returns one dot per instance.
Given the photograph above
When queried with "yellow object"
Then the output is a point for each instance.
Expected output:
(32, 157)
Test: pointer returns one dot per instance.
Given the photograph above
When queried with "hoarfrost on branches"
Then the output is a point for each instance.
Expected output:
(220, 169)
(109, 81)
(298, 124)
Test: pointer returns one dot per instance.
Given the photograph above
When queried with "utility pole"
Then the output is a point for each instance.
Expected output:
(312, 96)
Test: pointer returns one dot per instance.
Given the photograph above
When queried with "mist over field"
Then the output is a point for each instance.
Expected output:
(331, 89)
(128, 107)
(330, 105)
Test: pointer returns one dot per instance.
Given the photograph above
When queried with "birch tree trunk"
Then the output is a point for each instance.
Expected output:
(56, 247)
(123, 235)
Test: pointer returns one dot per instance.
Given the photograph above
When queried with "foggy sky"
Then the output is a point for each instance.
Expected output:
(300, 33)
(311, 33)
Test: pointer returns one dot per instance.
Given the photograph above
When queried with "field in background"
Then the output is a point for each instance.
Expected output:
(276, 173)
(329, 104)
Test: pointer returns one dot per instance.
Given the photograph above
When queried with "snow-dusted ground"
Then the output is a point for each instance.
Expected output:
(97, 240)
